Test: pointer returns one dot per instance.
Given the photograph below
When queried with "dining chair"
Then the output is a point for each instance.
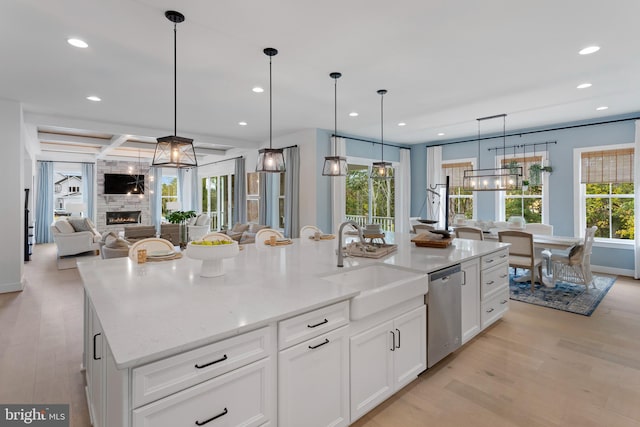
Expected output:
(574, 264)
(521, 253)
(422, 227)
(265, 234)
(537, 228)
(151, 244)
(472, 233)
(216, 236)
(308, 231)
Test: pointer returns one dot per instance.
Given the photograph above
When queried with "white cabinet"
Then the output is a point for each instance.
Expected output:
(313, 382)
(494, 287)
(385, 357)
(470, 299)
(313, 375)
(95, 369)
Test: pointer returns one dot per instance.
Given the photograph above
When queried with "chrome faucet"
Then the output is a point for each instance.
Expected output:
(340, 250)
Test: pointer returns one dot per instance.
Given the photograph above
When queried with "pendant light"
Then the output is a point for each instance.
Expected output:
(174, 151)
(495, 179)
(270, 160)
(382, 169)
(335, 165)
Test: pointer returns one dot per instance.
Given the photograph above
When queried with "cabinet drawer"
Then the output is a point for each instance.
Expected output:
(494, 307)
(161, 378)
(240, 397)
(309, 325)
(493, 279)
(490, 260)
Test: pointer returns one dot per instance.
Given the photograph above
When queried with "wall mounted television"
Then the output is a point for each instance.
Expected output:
(116, 183)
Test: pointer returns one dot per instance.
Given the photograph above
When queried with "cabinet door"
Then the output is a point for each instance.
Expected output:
(313, 382)
(371, 368)
(410, 355)
(95, 371)
(470, 303)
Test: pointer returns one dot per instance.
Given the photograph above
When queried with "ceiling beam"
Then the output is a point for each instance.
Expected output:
(71, 139)
(133, 130)
(200, 151)
(115, 142)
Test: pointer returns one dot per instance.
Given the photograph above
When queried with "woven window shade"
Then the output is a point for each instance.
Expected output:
(610, 166)
(455, 171)
(525, 162)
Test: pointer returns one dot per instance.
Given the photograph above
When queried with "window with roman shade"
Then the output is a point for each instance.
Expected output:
(460, 200)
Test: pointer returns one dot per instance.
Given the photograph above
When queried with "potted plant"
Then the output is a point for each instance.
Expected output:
(534, 173)
(181, 217)
(525, 185)
(513, 167)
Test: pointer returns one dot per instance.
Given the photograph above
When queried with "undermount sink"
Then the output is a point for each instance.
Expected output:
(381, 286)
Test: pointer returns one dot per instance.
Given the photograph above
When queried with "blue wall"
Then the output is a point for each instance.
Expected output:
(561, 214)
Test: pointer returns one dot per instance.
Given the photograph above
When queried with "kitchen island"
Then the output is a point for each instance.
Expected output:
(161, 341)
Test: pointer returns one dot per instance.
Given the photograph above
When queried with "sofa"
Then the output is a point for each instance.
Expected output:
(198, 226)
(133, 233)
(74, 236)
(170, 232)
(244, 233)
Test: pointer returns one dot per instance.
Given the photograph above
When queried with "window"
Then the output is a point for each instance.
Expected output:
(460, 201)
(281, 202)
(530, 202)
(369, 201)
(607, 191)
(169, 192)
(253, 197)
(217, 200)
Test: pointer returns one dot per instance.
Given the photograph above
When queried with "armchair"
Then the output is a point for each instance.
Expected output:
(199, 226)
(73, 241)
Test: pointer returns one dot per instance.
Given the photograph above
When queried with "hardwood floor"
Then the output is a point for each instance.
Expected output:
(536, 367)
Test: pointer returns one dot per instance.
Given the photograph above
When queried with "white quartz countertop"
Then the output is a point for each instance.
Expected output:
(153, 310)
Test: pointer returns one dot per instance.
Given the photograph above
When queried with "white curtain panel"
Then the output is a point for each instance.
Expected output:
(155, 196)
(403, 192)
(338, 190)
(636, 204)
(434, 177)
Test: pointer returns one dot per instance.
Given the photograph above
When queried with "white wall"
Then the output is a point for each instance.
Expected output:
(12, 189)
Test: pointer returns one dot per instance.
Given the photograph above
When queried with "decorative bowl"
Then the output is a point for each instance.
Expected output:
(212, 256)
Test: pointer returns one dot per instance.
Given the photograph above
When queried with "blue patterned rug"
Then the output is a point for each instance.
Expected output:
(564, 296)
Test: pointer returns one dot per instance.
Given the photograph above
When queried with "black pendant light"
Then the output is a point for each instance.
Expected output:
(270, 160)
(382, 169)
(335, 165)
(175, 151)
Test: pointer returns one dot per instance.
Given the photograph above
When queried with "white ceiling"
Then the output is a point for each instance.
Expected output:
(444, 64)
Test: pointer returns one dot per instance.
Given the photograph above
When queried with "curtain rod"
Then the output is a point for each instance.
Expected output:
(220, 161)
(67, 161)
(372, 142)
(534, 144)
(291, 146)
(534, 131)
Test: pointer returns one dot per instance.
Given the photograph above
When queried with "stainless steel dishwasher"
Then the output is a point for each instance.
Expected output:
(443, 313)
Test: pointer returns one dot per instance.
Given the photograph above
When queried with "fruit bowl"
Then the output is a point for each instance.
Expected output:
(212, 253)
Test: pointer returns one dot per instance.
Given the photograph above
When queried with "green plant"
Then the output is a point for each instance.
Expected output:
(513, 167)
(534, 173)
(181, 217)
(547, 169)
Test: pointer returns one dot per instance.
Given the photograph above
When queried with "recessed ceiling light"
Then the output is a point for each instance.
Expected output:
(77, 43)
(604, 107)
(94, 98)
(353, 114)
(257, 89)
(583, 86)
(242, 123)
(402, 124)
(589, 50)
(441, 134)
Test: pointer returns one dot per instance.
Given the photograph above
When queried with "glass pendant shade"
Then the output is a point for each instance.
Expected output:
(381, 170)
(334, 166)
(175, 152)
(270, 160)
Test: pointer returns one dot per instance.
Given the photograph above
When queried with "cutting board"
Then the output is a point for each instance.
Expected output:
(421, 240)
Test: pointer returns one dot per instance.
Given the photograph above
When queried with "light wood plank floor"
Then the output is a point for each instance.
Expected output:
(536, 367)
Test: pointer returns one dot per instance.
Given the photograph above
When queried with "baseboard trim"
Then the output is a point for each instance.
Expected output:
(612, 270)
(11, 287)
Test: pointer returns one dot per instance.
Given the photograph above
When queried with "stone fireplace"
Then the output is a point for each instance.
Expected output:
(123, 217)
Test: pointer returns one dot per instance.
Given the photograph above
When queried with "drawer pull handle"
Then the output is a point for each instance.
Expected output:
(504, 256)
(222, 359)
(318, 324)
(504, 301)
(503, 276)
(398, 330)
(491, 282)
(490, 310)
(201, 423)
(326, 341)
(94, 346)
(490, 261)
(393, 344)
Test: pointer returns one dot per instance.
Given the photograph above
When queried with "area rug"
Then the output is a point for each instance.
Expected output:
(564, 296)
